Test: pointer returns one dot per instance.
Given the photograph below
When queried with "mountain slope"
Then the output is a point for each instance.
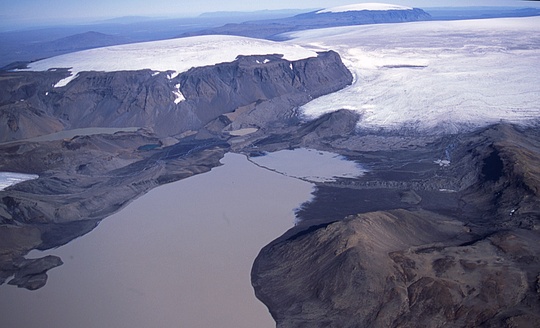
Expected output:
(420, 264)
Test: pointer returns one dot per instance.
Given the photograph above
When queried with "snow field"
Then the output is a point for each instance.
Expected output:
(178, 55)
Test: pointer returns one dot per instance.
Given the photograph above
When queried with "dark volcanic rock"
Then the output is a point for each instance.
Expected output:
(261, 82)
(395, 269)
(509, 177)
(89, 178)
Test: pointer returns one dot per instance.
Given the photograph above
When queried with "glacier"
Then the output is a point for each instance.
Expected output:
(177, 55)
(436, 76)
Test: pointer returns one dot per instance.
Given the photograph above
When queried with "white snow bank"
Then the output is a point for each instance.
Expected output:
(439, 76)
(177, 55)
(9, 178)
(364, 6)
(179, 97)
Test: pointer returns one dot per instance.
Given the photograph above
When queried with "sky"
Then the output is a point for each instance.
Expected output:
(61, 11)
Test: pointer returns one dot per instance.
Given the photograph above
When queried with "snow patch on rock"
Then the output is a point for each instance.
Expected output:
(442, 162)
(179, 97)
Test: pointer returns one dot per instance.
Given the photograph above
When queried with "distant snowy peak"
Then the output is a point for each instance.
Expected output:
(371, 6)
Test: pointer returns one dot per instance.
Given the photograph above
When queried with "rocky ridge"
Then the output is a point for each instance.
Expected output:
(30, 106)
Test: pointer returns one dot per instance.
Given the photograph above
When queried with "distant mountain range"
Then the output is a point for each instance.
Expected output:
(72, 43)
(273, 28)
(259, 14)
(81, 41)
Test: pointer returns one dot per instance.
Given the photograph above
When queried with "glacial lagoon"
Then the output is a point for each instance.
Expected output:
(179, 256)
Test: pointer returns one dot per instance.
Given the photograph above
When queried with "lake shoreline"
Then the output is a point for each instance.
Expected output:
(128, 255)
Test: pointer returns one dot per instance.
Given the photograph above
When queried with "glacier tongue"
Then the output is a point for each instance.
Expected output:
(437, 76)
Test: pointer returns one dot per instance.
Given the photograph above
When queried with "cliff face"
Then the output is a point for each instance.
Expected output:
(475, 264)
(146, 99)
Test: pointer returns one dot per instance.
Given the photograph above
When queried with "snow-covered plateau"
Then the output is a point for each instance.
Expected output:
(178, 55)
(435, 75)
(363, 6)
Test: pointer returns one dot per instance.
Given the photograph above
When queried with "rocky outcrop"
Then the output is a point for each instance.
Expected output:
(255, 80)
(30, 106)
(32, 274)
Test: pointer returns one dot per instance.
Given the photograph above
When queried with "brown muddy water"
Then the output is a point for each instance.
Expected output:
(179, 256)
